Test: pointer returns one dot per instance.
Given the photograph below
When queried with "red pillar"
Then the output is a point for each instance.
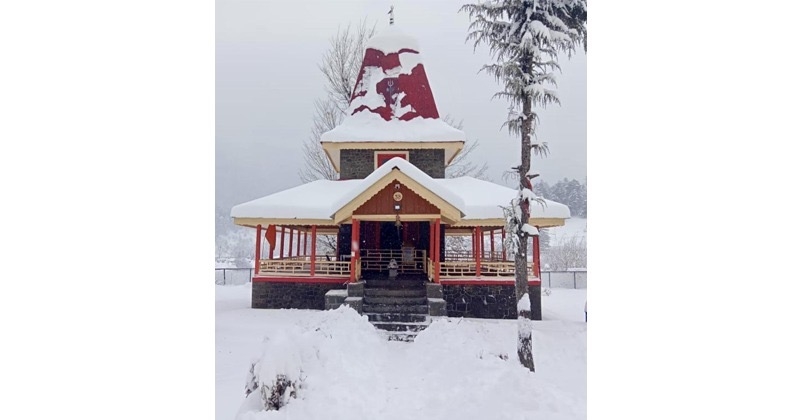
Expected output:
(436, 250)
(503, 248)
(289, 248)
(281, 247)
(354, 248)
(305, 241)
(481, 242)
(298, 246)
(312, 263)
(492, 242)
(258, 249)
(477, 234)
(536, 255)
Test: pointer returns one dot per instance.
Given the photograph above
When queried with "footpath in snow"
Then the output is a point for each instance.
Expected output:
(456, 368)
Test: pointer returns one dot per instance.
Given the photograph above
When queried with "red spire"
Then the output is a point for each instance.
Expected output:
(392, 82)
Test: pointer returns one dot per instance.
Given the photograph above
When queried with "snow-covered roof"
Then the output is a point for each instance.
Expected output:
(392, 100)
(483, 198)
(320, 200)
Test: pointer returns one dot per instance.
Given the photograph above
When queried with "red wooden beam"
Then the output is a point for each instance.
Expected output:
(258, 249)
(437, 250)
(479, 245)
(503, 248)
(281, 247)
(536, 255)
(492, 242)
(354, 248)
(305, 241)
(298, 246)
(289, 248)
(314, 241)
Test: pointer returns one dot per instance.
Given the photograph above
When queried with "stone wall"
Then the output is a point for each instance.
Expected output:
(291, 295)
(496, 302)
(359, 163)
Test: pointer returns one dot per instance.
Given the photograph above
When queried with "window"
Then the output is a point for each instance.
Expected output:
(381, 157)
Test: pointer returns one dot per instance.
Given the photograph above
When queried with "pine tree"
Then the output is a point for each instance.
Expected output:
(525, 38)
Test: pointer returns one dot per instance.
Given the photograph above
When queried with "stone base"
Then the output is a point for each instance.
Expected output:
(267, 295)
(354, 302)
(496, 302)
(335, 298)
(437, 307)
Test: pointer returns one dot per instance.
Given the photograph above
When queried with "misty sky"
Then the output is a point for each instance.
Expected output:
(267, 53)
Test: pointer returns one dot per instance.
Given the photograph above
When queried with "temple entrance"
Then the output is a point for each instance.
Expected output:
(406, 243)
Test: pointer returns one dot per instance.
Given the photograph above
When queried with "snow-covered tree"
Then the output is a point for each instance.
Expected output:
(525, 38)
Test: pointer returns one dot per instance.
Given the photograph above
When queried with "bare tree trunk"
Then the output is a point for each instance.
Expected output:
(521, 269)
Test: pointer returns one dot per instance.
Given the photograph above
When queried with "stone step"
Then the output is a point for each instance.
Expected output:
(401, 336)
(407, 301)
(395, 284)
(390, 317)
(395, 309)
(395, 292)
(401, 326)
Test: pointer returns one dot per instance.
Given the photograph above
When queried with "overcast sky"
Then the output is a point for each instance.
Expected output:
(267, 54)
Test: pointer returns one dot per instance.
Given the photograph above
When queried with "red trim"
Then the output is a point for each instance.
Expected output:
(289, 248)
(478, 282)
(503, 248)
(354, 247)
(281, 249)
(327, 280)
(478, 254)
(437, 250)
(314, 249)
(258, 248)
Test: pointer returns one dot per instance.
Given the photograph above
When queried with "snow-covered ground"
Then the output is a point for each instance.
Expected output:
(454, 369)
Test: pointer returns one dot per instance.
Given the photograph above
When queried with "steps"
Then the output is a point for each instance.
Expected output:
(399, 307)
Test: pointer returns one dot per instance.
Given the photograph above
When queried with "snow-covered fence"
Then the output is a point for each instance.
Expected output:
(232, 276)
(574, 279)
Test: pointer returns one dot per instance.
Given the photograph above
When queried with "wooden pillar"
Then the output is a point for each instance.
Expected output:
(354, 248)
(312, 258)
(258, 250)
(492, 242)
(436, 250)
(298, 246)
(536, 256)
(281, 247)
(503, 248)
(289, 248)
(481, 243)
(478, 256)
(305, 241)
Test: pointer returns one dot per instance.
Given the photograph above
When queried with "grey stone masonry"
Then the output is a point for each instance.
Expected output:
(335, 298)
(354, 302)
(291, 295)
(359, 163)
(437, 307)
(434, 291)
(356, 289)
(488, 301)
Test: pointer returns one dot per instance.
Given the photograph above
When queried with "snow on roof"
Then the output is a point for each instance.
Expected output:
(392, 39)
(410, 170)
(483, 199)
(392, 100)
(475, 198)
(367, 127)
(307, 201)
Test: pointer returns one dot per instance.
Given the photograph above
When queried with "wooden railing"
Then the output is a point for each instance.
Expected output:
(462, 269)
(377, 259)
(469, 256)
(301, 266)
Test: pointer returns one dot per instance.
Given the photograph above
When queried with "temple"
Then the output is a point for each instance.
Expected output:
(376, 238)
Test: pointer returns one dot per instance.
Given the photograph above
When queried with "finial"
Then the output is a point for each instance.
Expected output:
(392, 17)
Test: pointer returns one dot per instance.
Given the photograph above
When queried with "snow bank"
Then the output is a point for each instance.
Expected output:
(317, 359)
